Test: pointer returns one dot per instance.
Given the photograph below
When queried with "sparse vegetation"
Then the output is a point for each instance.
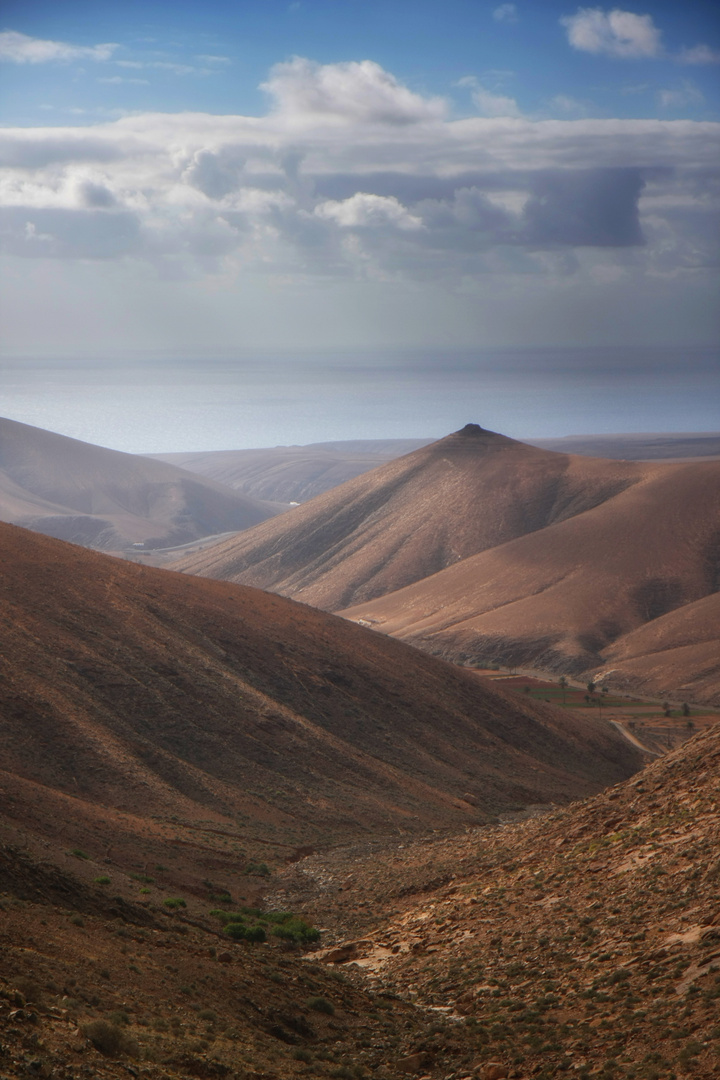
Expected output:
(252, 924)
(110, 1039)
(321, 1005)
(174, 903)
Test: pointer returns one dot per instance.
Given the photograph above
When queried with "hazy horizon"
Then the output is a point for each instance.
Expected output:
(261, 399)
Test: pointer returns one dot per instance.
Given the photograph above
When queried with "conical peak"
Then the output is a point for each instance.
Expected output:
(471, 430)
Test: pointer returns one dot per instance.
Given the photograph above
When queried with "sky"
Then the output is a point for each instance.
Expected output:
(295, 221)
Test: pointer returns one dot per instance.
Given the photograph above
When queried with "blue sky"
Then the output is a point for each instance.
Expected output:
(343, 175)
(217, 55)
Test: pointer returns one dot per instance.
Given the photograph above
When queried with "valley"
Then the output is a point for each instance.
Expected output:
(245, 837)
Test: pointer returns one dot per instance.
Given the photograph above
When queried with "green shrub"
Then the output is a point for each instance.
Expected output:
(79, 854)
(102, 880)
(226, 917)
(258, 869)
(240, 932)
(321, 1004)
(174, 902)
(296, 931)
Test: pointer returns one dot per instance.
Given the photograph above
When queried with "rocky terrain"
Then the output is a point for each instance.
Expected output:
(109, 500)
(584, 942)
(92, 985)
(169, 745)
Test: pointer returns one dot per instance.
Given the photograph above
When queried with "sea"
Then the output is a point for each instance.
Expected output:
(179, 403)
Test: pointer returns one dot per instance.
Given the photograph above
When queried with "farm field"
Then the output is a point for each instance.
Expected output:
(658, 726)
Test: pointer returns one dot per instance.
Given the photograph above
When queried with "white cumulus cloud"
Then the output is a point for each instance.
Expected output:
(21, 49)
(615, 33)
(292, 193)
(356, 90)
(364, 211)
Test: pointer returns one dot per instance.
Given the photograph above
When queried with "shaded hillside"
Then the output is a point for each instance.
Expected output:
(107, 499)
(565, 597)
(413, 517)
(293, 473)
(588, 939)
(132, 693)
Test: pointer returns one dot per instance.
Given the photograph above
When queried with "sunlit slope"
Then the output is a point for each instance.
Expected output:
(566, 596)
(415, 516)
(107, 499)
(677, 654)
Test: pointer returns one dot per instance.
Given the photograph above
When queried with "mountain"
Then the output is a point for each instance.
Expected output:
(107, 499)
(132, 695)
(584, 942)
(170, 743)
(413, 517)
(480, 548)
(288, 474)
(297, 473)
(605, 589)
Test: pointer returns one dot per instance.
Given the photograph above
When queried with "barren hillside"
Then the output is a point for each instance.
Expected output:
(293, 473)
(144, 692)
(413, 517)
(587, 940)
(565, 597)
(106, 499)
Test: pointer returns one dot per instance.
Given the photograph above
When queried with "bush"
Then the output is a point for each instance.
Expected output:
(238, 931)
(321, 1004)
(102, 880)
(258, 869)
(174, 902)
(79, 854)
(296, 931)
(109, 1039)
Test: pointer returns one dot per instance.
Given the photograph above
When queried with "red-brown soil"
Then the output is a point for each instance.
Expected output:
(169, 738)
(106, 499)
(132, 697)
(413, 517)
(92, 986)
(481, 548)
(565, 597)
(585, 942)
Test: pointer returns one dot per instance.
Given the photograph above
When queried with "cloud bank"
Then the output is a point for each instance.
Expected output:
(354, 175)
